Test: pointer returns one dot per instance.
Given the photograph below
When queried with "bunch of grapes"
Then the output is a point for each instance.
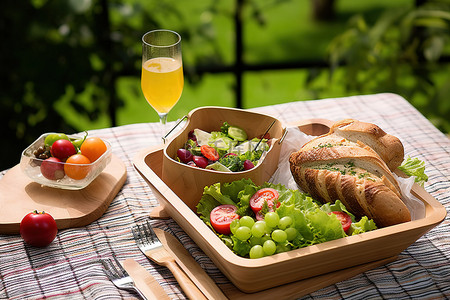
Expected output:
(267, 237)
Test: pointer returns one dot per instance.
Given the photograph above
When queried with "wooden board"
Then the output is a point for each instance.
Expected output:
(300, 265)
(19, 195)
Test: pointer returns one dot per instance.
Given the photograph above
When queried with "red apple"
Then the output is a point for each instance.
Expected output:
(52, 168)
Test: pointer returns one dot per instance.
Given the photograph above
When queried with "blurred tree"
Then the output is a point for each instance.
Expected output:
(61, 50)
(400, 53)
(323, 10)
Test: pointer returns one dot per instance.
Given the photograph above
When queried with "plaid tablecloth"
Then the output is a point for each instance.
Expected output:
(70, 267)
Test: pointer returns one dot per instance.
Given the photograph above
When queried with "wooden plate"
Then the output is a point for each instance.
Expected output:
(19, 195)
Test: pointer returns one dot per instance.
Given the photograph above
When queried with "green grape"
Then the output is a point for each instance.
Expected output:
(272, 219)
(279, 236)
(259, 229)
(256, 251)
(291, 233)
(282, 248)
(243, 233)
(246, 221)
(255, 241)
(234, 225)
(285, 222)
(265, 238)
(269, 247)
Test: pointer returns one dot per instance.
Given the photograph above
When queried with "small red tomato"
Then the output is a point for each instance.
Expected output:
(52, 168)
(344, 218)
(62, 149)
(222, 216)
(268, 195)
(38, 229)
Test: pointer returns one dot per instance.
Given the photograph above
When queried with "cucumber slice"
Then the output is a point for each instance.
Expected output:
(237, 133)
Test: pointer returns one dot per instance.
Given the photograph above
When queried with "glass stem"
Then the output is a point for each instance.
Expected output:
(163, 121)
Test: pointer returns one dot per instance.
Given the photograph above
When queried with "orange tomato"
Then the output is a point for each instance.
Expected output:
(77, 166)
(93, 148)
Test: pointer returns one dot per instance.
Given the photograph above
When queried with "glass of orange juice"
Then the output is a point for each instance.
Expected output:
(162, 71)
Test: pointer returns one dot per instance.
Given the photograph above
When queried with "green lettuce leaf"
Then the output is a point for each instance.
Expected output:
(363, 225)
(414, 167)
(311, 219)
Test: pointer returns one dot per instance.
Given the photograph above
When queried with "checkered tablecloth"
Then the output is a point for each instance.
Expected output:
(70, 267)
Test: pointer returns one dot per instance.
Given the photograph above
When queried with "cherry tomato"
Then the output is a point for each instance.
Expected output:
(222, 216)
(93, 148)
(62, 149)
(77, 166)
(209, 152)
(344, 218)
(200, 161)
(38, 229)
(52, 168)
(184, 155)
(268, 195)
(53, 137)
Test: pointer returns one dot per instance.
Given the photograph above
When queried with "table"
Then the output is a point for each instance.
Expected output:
(70, 266)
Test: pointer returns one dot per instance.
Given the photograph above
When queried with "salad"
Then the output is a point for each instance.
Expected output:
(257, 221)
(227, 150)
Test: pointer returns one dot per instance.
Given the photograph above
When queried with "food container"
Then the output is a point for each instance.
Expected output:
(185, 180)
(30, 165)
(253, 275)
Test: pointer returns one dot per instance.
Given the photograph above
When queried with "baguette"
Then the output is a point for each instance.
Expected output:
(387, 146)
(332, 167)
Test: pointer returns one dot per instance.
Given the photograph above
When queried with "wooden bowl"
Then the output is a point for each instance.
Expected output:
(188, 182)
(252, 275)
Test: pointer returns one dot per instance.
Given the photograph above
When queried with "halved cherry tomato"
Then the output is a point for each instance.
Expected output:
(222, 216)
(209, 152)
(268, 195)
(344, 218)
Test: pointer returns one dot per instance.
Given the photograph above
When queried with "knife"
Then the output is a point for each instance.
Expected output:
(144, 281)
(188, 264)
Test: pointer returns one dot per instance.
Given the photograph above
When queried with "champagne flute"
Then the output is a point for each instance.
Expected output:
(162, 71)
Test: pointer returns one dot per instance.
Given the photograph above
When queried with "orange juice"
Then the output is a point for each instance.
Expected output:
(162, 82)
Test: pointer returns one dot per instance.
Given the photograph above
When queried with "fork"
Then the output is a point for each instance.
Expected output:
(151, 246)
(119, 276)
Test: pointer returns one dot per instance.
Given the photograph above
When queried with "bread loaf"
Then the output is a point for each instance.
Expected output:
(350, 163)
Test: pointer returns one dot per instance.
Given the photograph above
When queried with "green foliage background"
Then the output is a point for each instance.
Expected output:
(74, 65)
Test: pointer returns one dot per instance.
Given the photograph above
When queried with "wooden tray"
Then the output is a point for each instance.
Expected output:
(19, 195)
(312, 263)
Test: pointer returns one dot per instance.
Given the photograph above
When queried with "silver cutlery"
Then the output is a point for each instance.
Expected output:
(119, 276)
(151, 246)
